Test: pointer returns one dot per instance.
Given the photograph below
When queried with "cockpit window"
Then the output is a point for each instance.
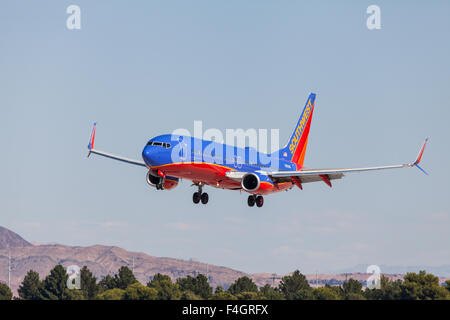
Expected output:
(159, 144)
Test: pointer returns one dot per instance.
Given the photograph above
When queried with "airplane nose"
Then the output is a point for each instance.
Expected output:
(146, 155)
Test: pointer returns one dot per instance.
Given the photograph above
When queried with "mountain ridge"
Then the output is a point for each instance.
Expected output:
(103, 260)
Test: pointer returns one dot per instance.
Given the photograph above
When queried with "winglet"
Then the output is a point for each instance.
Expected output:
(91, 140)
(419, 157)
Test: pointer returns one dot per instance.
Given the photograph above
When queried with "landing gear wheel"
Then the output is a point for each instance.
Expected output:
(251, 201)
(196, 197)
(204, 198)
(259, 201)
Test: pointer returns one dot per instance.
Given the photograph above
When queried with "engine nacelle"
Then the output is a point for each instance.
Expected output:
(153, 179)
(250, 182)
(167, 183)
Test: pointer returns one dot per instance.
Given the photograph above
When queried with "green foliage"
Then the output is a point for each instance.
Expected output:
(326, 293)
(250, 295)
(159, 277)
(124, 286)
(219, 289)
(198, 285)
(124, 278)
(242, 284)
(5, 292)
(167, 290)
(107, 283)
(121, 280)
(389, 290)
(89, 286)
(189, 295)
(224, 295)
(352, 286)
(295, 287)
(112, 294)
(55, 284)
(138, 291)
(271, 293)
(74, 294)
(422, 286)
(447, 285)
(30, 288)
(352, 290)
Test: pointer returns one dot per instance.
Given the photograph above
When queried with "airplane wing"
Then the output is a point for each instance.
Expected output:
(110, 155)
(313, 175)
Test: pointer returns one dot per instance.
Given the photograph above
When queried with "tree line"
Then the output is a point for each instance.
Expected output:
(124, 286)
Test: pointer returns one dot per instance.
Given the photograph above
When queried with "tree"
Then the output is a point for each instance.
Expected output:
(198, 285)
(219, 289)
(242, 284)
(325, 293)
(271, 293)
(89, 286)
(159, 277)
(138, 291)
(352, 290)
(224, 295)
(112, 294)
(389, 290)
(447, 285)
(189, 295)
(74, 294)
(5, 292)
(249, 295)
(107, 283)
(167, 290)
(55, 284)
(295, 287)
(422, 286)
(124, 278)
(30, 288)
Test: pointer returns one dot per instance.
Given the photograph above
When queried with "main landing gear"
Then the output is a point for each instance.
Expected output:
(200, 196)
(252, 199)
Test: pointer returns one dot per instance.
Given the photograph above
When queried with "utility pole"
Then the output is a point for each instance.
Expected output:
(274, 276)
(317, 279)
(132, 268)
(9, 269)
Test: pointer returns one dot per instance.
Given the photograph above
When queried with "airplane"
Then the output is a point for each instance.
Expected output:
(224, 167)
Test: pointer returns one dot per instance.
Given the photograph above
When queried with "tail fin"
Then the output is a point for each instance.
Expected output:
(296, 147)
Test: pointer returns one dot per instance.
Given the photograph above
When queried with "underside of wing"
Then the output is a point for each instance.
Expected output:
(116, 157)
(110, 155)
(325, 175)
(307, 179)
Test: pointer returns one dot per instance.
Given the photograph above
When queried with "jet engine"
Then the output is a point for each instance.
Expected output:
(158, 182)
(250, 182)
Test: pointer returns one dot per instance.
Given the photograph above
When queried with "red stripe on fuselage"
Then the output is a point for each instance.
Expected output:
(213, 175)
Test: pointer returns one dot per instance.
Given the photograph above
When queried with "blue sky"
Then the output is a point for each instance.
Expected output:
(149, 67)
